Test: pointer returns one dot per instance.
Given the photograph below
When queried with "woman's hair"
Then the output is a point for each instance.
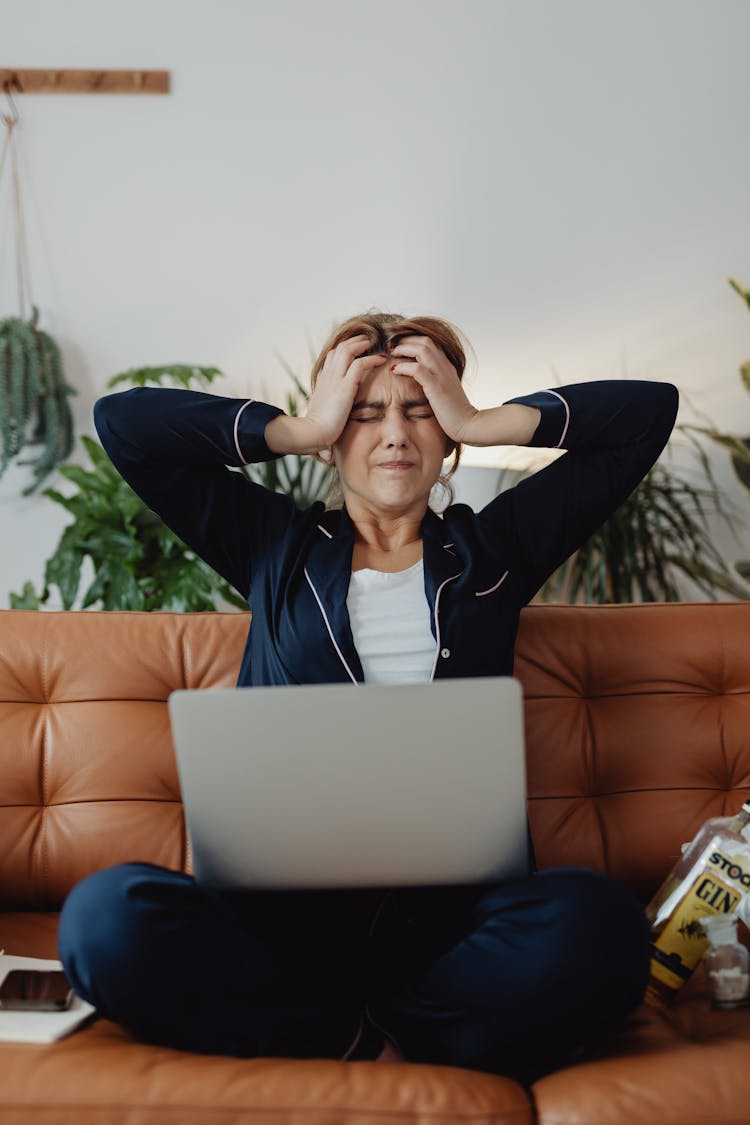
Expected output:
(385, 331)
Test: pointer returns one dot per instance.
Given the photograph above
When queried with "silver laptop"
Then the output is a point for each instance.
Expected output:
(342, 785)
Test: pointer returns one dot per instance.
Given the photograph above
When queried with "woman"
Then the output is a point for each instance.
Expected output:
(509, 977)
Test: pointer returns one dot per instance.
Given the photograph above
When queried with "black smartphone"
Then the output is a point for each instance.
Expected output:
(35, 990)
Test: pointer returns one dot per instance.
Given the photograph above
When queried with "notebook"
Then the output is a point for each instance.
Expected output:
(354, 785)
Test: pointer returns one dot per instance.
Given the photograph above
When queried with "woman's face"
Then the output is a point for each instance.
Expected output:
(392, 448)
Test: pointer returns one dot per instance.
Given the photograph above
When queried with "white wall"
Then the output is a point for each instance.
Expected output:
(565, 180)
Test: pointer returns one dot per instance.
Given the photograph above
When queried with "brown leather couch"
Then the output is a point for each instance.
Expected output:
(638, 729)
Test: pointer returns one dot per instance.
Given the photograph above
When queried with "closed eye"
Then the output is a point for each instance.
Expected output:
(377, 417)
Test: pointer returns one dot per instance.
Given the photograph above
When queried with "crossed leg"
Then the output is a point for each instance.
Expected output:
(509, 978)
(259, 973)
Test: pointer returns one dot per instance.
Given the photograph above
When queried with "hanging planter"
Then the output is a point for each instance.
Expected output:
(34, 408)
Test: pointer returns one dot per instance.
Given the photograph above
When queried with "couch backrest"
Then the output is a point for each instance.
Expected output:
(637, 728)
(637, 718)
(87, 769)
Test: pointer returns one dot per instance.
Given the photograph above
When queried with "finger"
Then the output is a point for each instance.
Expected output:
(345, 352)
(410, 370)
(355, 342)
(367, 361)
(355, 369)
(350, 344)
(405, 367)
(362, 352)
(409, 343)
(409, 351)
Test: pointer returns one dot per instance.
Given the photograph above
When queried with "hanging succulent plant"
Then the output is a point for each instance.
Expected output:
(34, 394)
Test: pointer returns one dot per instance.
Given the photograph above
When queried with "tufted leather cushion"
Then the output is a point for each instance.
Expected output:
(638, 730)
(86, 757)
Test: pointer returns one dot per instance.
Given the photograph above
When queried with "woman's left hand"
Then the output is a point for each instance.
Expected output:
(438, 378)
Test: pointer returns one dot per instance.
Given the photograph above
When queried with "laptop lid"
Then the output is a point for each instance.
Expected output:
(336, 785)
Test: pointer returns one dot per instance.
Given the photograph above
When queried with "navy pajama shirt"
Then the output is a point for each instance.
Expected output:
(504, 977)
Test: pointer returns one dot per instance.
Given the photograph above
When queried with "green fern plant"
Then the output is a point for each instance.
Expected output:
(138, 563)
(34, 393)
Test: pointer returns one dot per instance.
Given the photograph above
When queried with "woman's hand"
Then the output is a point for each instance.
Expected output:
(335, 391)
(438, 378)
(513, 423)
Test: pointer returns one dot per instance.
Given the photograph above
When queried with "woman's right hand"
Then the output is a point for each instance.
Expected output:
(330, 404)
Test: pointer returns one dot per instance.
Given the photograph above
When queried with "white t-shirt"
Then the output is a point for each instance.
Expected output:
(390, 619)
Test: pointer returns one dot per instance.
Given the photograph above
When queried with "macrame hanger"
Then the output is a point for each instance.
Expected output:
(13, 111)
(23, 273)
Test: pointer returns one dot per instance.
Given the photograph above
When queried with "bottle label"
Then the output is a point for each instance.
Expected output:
(681, 944)
(730, 868)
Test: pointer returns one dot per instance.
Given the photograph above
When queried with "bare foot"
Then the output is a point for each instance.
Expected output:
(390, 1053)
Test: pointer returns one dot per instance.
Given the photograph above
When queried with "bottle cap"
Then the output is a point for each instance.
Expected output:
(720, 929)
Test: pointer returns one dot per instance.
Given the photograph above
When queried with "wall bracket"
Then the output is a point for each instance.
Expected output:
(20, 81)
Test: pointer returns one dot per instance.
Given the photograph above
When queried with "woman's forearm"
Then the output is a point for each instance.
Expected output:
(509, 424)
(287, 434)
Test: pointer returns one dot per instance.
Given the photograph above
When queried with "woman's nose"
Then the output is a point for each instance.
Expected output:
(395, 427)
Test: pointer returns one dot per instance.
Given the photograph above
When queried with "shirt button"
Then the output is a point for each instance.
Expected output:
(445, 653)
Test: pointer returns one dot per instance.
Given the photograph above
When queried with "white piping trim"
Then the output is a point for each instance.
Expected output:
(325, 532)
(236, 436)
(357, 1038)
(437, 622)
(328, 627)
(481, 593)
(567, 418)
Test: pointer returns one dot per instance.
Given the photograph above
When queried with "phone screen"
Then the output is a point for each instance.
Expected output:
(35, 990)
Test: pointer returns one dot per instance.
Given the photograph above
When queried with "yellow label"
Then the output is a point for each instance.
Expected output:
(682, 942)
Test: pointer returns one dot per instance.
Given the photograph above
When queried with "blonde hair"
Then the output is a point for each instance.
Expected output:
(385, 330)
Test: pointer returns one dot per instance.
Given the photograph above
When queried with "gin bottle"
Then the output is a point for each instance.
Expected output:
(712, 877)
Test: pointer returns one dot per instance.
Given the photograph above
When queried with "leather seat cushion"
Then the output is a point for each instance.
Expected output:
(687, 1065)
(102, 1076)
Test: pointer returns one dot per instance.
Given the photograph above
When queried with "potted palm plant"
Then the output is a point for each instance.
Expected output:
(660, 532)
(737, 447)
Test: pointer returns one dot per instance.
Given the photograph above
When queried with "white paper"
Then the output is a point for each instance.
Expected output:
(38, 1027)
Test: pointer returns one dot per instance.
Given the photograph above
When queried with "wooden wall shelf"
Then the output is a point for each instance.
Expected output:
(20, 81)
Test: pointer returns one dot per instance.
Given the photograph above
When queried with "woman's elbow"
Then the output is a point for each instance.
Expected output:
(671, 402)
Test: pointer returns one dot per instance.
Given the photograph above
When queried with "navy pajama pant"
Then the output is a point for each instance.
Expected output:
(510, 978)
